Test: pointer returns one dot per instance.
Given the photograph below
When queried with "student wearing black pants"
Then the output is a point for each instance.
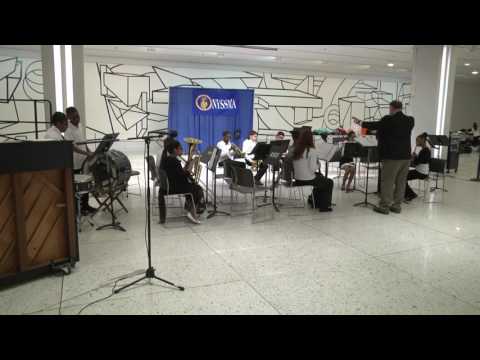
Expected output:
(421, 163)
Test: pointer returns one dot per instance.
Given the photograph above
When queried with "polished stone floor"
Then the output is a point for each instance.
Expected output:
(351, 261)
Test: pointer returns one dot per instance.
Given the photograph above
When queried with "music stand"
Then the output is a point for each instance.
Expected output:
(204, 159)
(212, 166)
(277, 148)
(368, 147)
(102, 151)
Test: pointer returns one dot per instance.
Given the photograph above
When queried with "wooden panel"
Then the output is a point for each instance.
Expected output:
(8, 258)
(45, 220)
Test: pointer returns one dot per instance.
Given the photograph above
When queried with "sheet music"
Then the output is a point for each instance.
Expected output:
(367, 140)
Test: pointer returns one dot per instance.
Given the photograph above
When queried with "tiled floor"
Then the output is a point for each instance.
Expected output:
(297, 261)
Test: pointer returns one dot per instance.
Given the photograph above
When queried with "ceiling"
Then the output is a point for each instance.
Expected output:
(359, 60)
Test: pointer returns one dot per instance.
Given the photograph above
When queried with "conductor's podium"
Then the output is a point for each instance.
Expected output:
(37, 211)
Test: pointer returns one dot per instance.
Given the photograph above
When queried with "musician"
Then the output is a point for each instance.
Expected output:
(347, 164)
(225, 146)
(247, 147)
(59, 125)
(306, 164)
(181, 182)
(280, 135)
(80, 152)
(172, 135)
(421, 162)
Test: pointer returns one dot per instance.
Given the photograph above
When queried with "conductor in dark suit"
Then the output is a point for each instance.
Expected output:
(394, 133)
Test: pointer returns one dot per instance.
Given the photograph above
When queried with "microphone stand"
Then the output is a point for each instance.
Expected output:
(150, 271)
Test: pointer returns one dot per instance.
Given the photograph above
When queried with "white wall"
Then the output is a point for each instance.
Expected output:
(20, 78)
(466, 105)
(139, 93)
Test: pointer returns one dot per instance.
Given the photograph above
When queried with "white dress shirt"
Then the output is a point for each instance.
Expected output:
(53, 134)
(74, 133)
(247, 148)
(307, 165)
(225, 149)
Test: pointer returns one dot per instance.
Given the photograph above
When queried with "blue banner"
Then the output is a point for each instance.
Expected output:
(215, 102)
(209, 125)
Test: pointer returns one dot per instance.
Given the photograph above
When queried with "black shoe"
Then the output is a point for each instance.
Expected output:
(326, 209)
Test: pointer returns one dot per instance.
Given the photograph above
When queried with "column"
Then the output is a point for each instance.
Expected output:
(63, 77)
(433, 80)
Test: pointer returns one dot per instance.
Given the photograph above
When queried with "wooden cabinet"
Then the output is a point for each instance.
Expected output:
(37, 210)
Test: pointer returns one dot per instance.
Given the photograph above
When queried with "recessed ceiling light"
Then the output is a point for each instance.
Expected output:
(270, 57)
(390, 64)
(467, 64)
(402, 70)
(475, 72)
(210, 53)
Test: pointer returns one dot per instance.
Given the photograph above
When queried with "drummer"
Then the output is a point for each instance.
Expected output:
(80, 152)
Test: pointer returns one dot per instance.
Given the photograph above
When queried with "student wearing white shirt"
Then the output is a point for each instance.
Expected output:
(305, 164)
(59, 125)
(80, 152)
(225, 146)
(247, 147)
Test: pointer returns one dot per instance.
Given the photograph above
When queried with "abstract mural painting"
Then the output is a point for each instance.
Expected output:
(138, 100)
(21, 86)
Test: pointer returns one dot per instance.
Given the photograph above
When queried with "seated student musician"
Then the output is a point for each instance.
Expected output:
(306, 164)
(226, 148)
(280, 135)
(181, 182)
(421, 162)
(347, 164)
(59, 126)
(247, 147)
(171, 137)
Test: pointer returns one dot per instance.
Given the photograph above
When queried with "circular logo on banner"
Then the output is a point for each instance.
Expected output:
(203, 102)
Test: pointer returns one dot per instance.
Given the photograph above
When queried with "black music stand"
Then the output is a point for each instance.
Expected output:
(369, 149)
(212, 166)
(277, 148)
(102, 151)
(150, 271)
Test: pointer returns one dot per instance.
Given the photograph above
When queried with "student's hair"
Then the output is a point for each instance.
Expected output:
(280, 133)
(475, 126)
(295, 134)
(424, 137)
(70, 111)
(171, 146)
(396, 104)
(252, 132)
(304, 143)
(350, 133)
(58, 117)
(225, 133)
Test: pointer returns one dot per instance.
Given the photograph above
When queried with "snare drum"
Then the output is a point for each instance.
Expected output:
(83, 183)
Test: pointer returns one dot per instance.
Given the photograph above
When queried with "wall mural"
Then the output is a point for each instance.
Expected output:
(137, 100)
(21, 84)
